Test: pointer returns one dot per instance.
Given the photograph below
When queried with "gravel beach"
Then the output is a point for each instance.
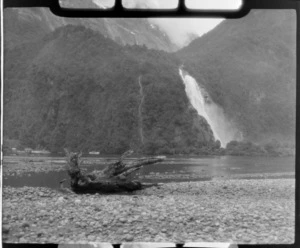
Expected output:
(243, 211)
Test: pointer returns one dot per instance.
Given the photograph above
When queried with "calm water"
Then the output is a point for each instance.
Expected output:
(172, 169)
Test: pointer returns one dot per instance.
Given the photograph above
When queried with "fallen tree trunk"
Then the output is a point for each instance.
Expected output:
(112, 179)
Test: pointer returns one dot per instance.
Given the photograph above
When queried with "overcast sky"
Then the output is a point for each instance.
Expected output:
(178, 29)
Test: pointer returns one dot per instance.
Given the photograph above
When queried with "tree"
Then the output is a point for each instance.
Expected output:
(218, 144)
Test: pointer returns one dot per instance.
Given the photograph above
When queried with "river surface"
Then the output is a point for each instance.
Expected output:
(172, 169)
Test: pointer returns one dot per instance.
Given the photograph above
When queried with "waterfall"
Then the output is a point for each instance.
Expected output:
(140, 110)
(222, 128)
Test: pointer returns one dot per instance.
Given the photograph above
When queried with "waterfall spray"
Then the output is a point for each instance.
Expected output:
(223, 130)
(140, 110)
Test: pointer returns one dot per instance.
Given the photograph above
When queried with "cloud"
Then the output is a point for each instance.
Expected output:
(180, 30)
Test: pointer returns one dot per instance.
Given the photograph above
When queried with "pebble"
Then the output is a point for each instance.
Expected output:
(22, 240)
(5, 229)
(183, 213)
(128, 238)
(60, 200)
(25, 225)
(123, 220)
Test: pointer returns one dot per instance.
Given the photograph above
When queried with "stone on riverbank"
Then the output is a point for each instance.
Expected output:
(244, 211)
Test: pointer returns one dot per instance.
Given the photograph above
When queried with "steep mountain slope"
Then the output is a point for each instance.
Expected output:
(70, 86)
(26, 24)
(75, 88)
(248, 66)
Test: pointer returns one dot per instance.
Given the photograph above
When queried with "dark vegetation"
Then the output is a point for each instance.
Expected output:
(75, 88)
(26, 24)
(248, 66)
(271, 148)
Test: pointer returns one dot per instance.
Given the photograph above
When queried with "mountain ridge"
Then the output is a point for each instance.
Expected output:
(73, 87)
(87, 98)
(25, 24)
(249, 68)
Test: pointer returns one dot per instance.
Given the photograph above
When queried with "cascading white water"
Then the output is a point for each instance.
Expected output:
(140, 111)
(223, 130)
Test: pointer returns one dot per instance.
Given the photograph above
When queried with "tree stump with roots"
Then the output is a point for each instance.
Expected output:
(112, 179)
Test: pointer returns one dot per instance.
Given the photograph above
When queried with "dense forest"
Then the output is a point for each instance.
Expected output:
(73, 87)
(26, 24)
(248, 66)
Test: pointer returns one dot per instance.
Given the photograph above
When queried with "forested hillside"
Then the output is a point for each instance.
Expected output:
(248, 66)
(28, 24)
(75, 88)
(70, 86)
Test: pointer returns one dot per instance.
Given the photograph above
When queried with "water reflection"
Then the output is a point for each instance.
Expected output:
(171, 170)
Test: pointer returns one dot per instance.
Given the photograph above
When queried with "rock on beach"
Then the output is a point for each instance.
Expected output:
(243, 211)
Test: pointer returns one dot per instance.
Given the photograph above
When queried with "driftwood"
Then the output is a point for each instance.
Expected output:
(112, 179)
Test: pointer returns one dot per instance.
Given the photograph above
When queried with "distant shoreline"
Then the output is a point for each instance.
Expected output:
(16, 167)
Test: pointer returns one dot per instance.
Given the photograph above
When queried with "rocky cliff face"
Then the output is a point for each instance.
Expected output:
(26, 24)
(248, 66)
